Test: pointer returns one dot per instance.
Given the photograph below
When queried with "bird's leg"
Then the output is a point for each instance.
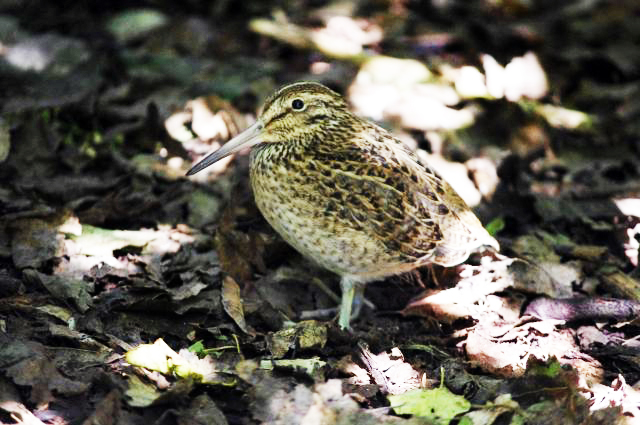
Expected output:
(352, 300)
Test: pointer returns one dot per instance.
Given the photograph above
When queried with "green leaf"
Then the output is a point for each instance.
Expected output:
(197, 348)
(495, 226)
(551, 369)
(439, 405)
(134, 23)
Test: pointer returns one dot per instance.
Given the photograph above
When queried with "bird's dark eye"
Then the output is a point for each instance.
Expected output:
(297, 104)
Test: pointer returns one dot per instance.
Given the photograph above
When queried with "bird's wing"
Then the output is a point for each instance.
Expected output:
(431, 222)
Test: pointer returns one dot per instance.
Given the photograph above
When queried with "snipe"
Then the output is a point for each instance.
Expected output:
(347, 194)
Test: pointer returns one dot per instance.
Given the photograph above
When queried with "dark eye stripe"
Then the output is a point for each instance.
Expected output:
(277, 117)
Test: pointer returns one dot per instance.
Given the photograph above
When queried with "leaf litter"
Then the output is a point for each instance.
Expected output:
(105, 247)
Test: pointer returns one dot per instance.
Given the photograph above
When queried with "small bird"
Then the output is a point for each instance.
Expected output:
(347, 194)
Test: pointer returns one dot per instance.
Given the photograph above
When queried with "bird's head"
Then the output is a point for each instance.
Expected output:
(298, 112)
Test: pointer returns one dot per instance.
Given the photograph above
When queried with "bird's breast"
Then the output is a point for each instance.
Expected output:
(302, 200)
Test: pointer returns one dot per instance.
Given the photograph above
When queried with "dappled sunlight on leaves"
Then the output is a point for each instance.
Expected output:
(184, 364)
(560, 117)
(102, 242)
(619, 394)
(211, 120)
(401, 90)
(528, 109)
(342, 37)
(389, 371)
(456, 175)
(56, 54)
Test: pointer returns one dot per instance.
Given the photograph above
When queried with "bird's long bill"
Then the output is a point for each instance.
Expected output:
(249, 137)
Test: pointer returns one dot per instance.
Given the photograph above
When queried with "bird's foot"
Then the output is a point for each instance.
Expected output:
(352, 301)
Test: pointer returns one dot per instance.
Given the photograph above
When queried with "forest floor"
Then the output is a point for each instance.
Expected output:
(132, 294)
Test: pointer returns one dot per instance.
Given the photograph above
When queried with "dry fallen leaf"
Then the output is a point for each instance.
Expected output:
(232, 303)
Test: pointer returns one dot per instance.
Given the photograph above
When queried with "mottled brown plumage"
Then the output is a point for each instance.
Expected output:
(347, 194)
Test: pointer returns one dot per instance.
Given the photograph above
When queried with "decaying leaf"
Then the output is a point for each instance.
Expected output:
(232, 303)
(312, 366)
(305, 335)
(35, 241)
(63, 288)
(140, 394)
(389, 371)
